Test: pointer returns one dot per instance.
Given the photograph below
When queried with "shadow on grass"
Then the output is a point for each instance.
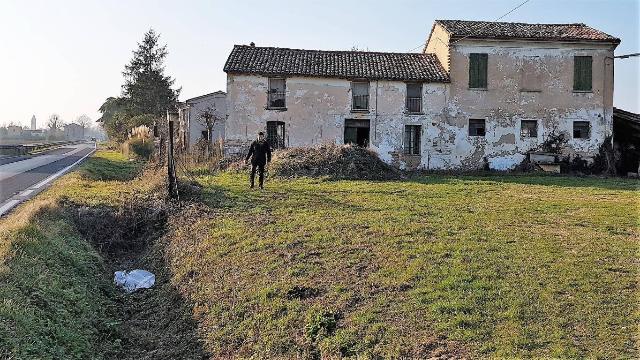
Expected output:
(533, 179)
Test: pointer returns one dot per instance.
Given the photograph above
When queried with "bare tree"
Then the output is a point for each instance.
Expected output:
(84, 121)
(54, 123)
(208, 118)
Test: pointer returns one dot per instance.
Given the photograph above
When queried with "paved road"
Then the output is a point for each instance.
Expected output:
(23, 177)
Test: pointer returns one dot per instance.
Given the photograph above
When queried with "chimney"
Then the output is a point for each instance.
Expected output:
(252, 44)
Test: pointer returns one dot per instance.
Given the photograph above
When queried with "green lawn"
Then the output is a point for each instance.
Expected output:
(481, 266)
(496, 266)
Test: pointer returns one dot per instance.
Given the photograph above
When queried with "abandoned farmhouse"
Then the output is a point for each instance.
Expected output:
(479, 94)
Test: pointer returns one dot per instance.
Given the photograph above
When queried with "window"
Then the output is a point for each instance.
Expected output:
(412, 139)
(476, 127)
(356, 132)
(580, 129)
(478, 71)
(529, 128)
(582, 73)
(414, 98)
(203, 134)
(531, 74)
(275, 134)
(276, 94)
(360, 96)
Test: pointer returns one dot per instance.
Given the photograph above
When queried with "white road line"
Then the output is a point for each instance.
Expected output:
(26, 192)
(12, 203)
(8, 206)
(61, 172)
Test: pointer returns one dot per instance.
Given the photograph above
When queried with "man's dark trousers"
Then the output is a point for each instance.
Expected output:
(260, 168)
(260, 155)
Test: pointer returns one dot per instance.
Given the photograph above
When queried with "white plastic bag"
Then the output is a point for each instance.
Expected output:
(134, 280)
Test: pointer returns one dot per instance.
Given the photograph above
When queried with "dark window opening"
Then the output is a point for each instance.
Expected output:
(203, 134)
(414, 98)
(356, 132)
(582, 73)
(478, 71)
(360, 96)
(580, 129)
(529, 128)
(412, 139)
(277, 93)
(275, 134)
(476, 127)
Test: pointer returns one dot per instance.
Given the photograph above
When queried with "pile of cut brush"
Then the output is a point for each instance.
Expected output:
(334, 162)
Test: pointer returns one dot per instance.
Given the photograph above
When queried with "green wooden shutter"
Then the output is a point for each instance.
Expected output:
(478, 70)
(483, 70)
(582, 73)
(473, 70)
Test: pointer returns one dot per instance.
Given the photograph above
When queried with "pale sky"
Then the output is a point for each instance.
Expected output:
(67, 56)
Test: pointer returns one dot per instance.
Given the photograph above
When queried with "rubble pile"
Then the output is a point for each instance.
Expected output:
(335, 162)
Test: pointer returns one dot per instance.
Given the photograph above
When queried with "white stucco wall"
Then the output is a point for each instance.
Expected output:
(191, 112)
(505, 102)
(316, 108)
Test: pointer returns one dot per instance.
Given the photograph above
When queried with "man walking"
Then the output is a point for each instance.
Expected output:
(260, 154)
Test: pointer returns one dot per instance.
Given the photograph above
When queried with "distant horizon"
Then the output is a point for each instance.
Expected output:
(67, 57)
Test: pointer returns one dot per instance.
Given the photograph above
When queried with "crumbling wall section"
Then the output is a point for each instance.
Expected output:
(526, 81)
(316, 110)
(513, 94)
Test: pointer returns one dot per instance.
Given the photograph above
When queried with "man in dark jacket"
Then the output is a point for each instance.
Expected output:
(260, 154)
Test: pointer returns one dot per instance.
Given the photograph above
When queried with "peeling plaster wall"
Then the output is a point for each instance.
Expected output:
(316, 110)
(318, 107)
(216, 101)
(506, 101)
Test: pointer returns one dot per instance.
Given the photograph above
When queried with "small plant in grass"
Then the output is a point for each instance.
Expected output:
(320, 324)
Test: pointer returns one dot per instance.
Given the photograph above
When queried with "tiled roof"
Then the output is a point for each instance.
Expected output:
(505, 30)
(273, 61)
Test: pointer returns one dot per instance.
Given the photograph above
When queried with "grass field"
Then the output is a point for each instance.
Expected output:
(506, 266)
(476, 266)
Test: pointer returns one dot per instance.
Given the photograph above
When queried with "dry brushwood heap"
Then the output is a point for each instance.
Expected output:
(335, 162)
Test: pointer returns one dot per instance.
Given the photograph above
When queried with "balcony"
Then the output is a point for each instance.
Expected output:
(276, 100)
(414, 105)
(360, 103)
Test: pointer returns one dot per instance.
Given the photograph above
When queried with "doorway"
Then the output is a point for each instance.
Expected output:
(356, 132)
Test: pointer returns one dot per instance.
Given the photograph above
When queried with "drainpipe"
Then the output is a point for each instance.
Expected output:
(375, 128)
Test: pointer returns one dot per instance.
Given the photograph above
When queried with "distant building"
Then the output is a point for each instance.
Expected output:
(190, 116)
(33, 134)
(73, 131)
(14, 131)
(33, 122)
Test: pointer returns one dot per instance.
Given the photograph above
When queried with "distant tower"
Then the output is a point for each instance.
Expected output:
(33, 122)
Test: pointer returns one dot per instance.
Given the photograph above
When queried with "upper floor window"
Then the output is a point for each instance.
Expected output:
(582, 73)
(580, 129)
(276, 94)
(478, 71)
(529, 128)
(412, 139)
(360, 95)
(414, 98)
(476, 127)
(531, 74)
